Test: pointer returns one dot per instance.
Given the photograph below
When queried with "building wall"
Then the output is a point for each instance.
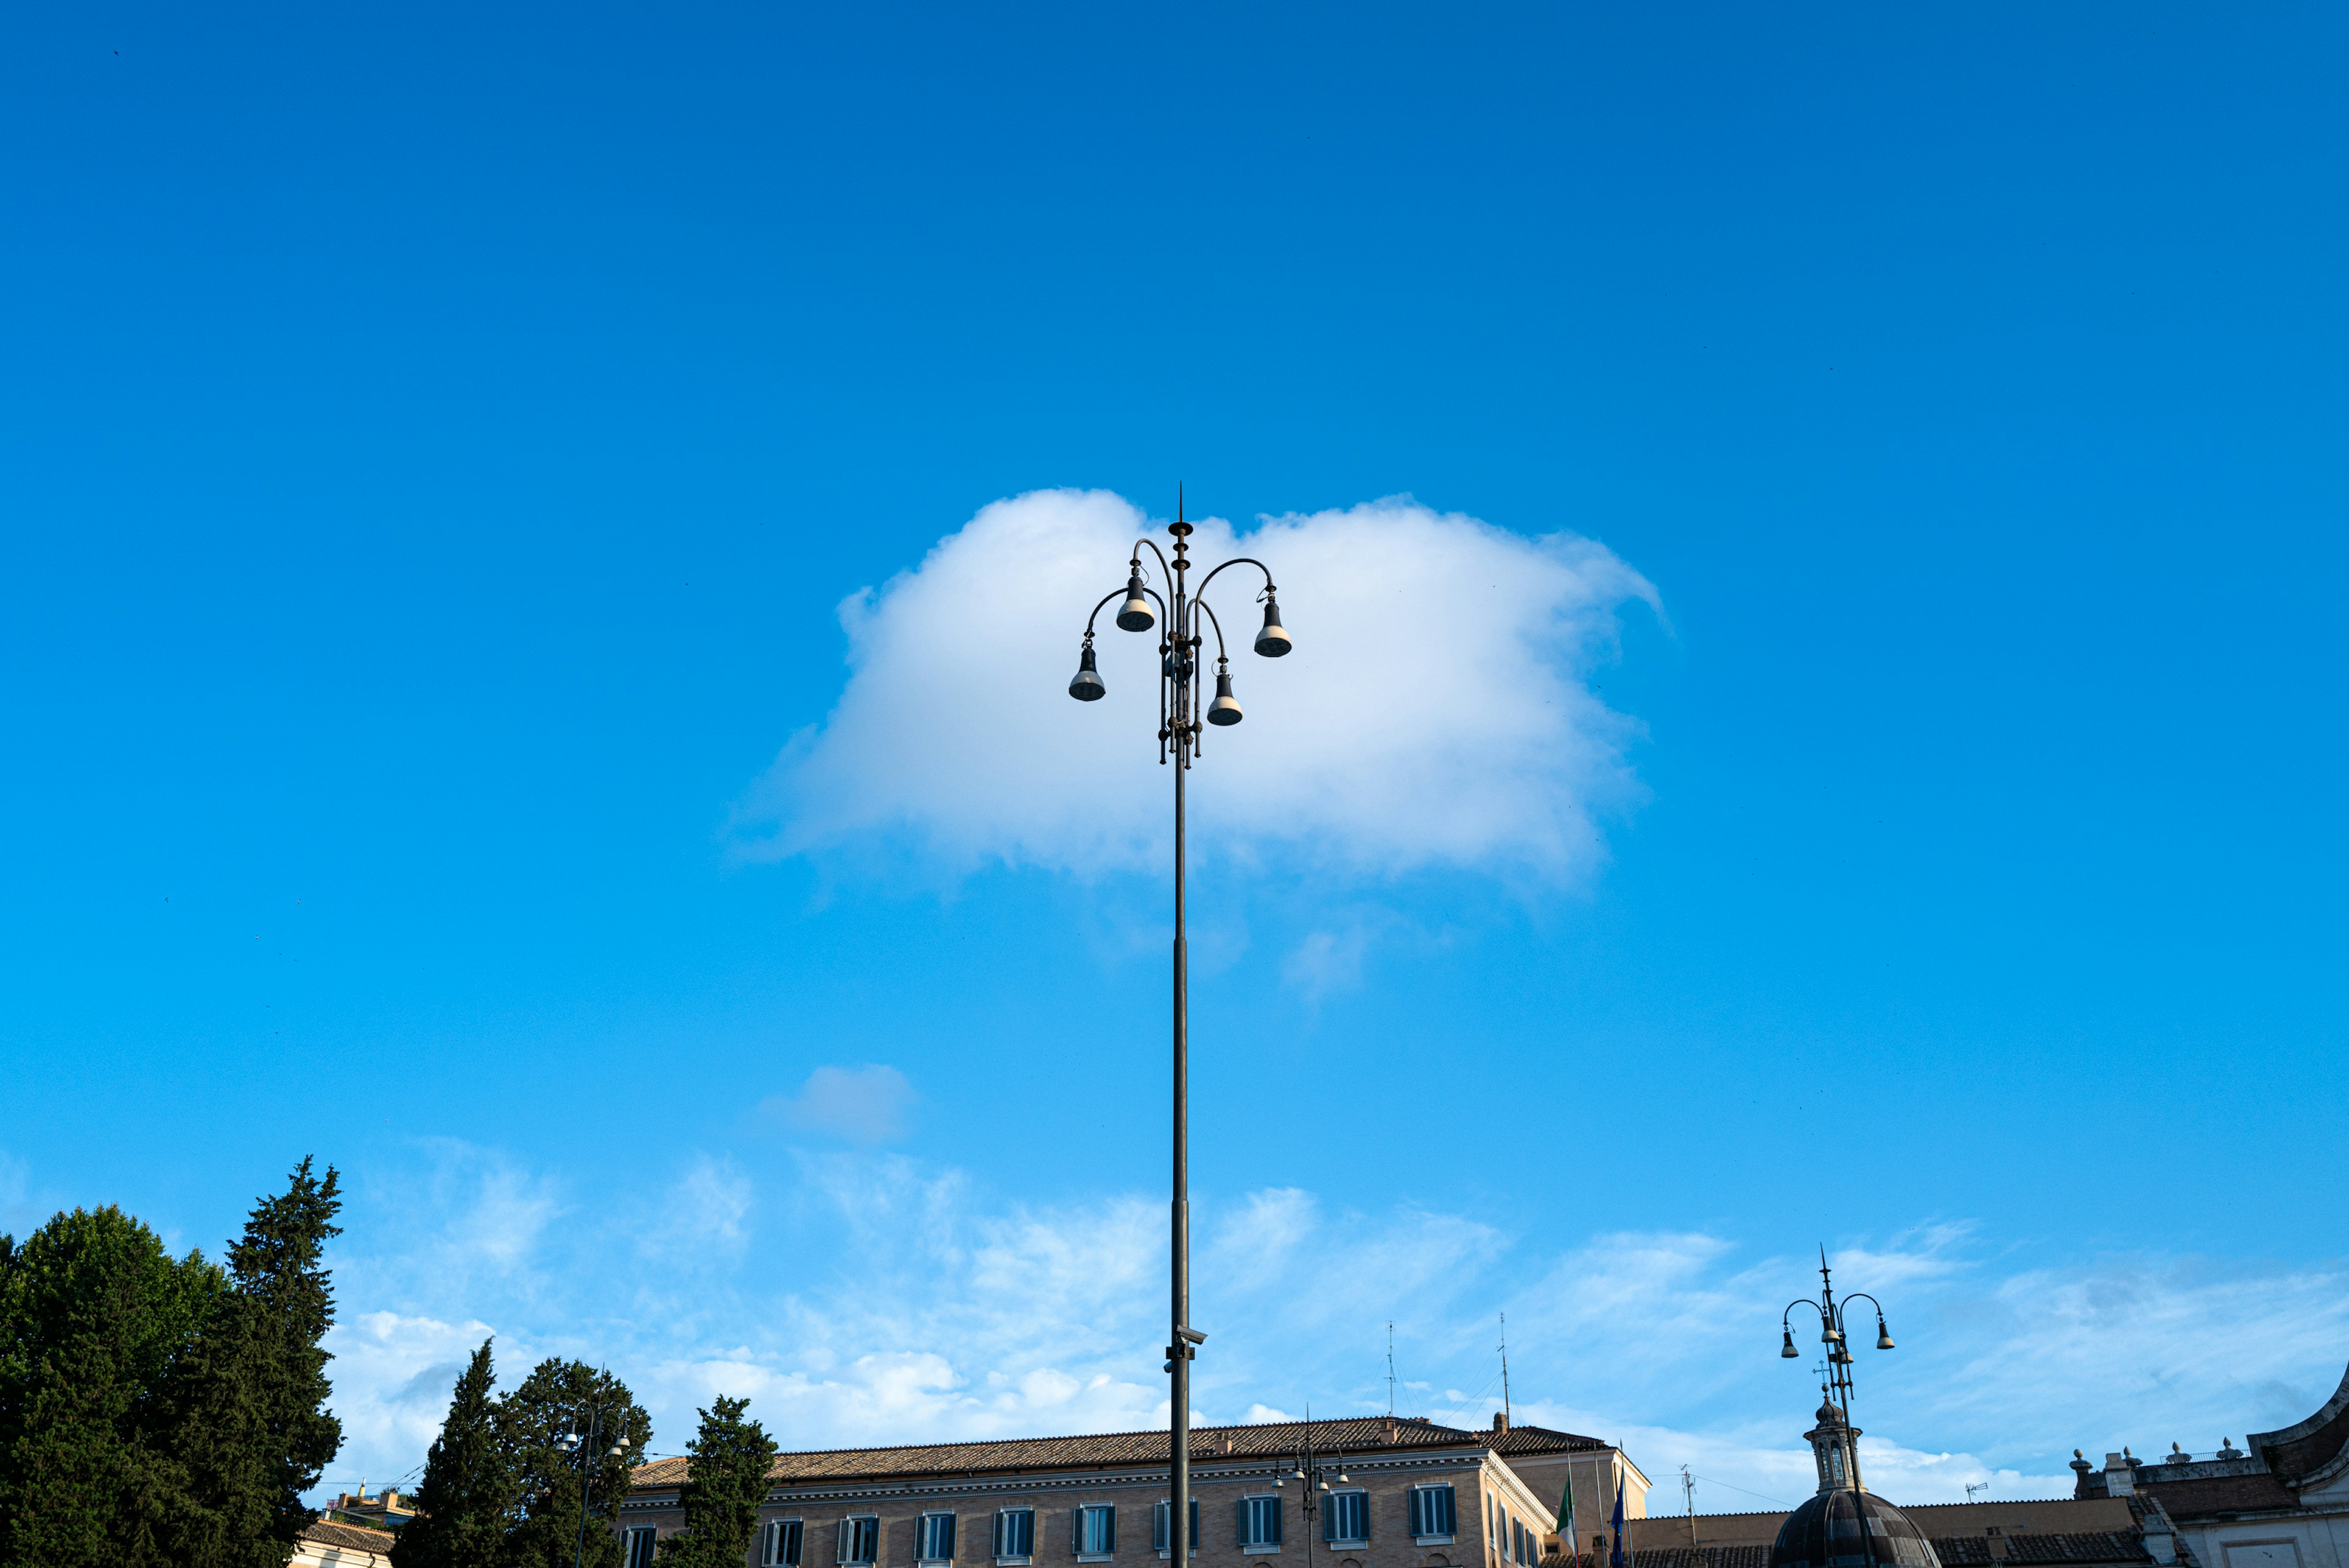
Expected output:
(1479, 1480)
(2038, 1516)
(1595, 1472)
(2272, 1541)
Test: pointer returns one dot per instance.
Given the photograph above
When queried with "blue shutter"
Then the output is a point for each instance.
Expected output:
(1109, 1528)
(1194, 1524)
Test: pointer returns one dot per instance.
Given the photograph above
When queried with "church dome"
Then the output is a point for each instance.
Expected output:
(1847, 1528)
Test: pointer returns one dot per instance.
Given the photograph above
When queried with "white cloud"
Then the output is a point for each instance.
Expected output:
(1436, 713)
(863, 1105)
(873, 1297)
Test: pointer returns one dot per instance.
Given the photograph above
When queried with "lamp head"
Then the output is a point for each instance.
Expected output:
(1883, 1336)
(1135, 614)
(1787, 1349)
(1225, 708)
(1087, 687)
(1272, 638)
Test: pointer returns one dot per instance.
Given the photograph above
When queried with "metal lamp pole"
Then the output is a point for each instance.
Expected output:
(582, 1447)
(1180, 712)
(1831, 1319)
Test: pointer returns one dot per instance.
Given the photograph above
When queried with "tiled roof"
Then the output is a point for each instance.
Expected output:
(349, 1535)
(2080, 1546)
(1751, 1555)
(2220, 1494)
(1534, 1440)
(1271, 1439)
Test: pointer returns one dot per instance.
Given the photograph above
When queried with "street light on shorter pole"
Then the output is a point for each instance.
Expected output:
(585, 1450)
(1831, 1335)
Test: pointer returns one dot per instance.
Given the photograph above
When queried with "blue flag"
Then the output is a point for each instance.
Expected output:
(1615, 1556)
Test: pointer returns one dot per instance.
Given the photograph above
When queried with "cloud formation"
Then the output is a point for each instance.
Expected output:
(859, 1296)
(1436, 714)
(863, 1104)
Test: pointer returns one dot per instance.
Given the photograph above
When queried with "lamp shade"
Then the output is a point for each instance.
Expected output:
(1788, 1349)
(1883, 1336)
(1272, 639)
(1135, 614)
(1087, 687)
(1225, 708)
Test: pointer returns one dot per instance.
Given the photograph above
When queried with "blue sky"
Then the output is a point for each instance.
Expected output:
(1882, 792)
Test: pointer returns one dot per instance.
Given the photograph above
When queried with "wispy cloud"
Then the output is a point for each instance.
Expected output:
(863, 1105)
(1436, 714)
(866, 1296)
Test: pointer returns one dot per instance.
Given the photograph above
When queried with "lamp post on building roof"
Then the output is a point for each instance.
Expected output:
(1184, 712)
(1832, 1314)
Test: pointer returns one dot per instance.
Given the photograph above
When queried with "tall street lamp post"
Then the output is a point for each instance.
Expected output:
(1177, 619)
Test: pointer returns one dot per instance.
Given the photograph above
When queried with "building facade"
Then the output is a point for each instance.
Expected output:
(1404, 1492)
(2282, 1500)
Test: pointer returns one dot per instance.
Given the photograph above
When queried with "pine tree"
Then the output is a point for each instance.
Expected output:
(726, 1480)
(247, 1431)
(532, 1422)
(93, 1313)
(462, 1502)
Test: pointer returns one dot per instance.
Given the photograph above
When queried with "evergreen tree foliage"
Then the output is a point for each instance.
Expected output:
(726, 1480)
(247, 1432)
(532, 1419)
(93, 1315)
(463, 1500)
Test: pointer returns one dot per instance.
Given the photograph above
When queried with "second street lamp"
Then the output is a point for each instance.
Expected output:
(1180, 618)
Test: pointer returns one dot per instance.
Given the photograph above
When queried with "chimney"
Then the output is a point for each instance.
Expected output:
(1500, 1421)
(2160, 1534)
(2121, 1476)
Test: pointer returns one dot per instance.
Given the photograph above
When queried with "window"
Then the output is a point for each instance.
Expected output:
(1092, 1529)
(1259, 1524)
(1346, 1519)
(1015, 1534)
(1158, 1514)
(1435, 1516)
(640, 1549)
(860, 1539)
(1517, 1541)
(782, 1544)
(936, 1542)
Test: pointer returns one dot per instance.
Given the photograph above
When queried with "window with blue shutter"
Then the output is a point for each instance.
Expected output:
(1434, 1512)
(1346, 1519)
(782, 1543)
(1159, 1512)
(1259, 1522)
(860, 1540)
(936, 1543)
(1015, 1534)
(1092, 1529)
(640, 1549)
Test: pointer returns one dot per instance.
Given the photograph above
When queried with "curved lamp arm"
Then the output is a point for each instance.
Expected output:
(1237, 561)
(1220, 657)
(1097, 609)
(1167, 573)
(1883, 1334)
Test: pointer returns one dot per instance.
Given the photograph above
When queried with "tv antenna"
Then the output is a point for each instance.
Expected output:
(1391, 1371)
(1506, 1415)
(1973, 1487)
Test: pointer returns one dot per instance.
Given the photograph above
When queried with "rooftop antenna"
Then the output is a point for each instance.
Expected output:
(1390, 1371)
(1506, 1417)
(1688, 1495)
